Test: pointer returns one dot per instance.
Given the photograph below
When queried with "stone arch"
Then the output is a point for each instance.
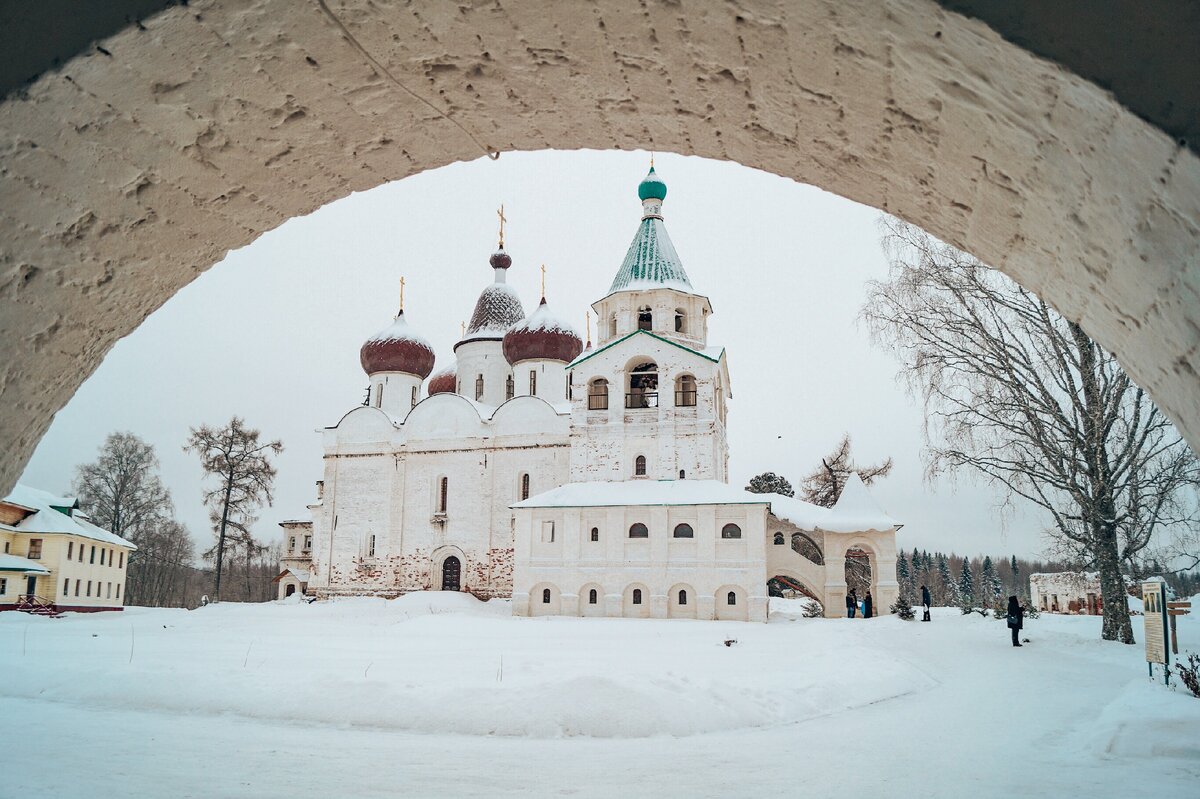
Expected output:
(794, 581)
(586, 606)
(861, 556)
(739, 610)
(538, 606)
(437, 565)
(330, 105)
(806, 546)
(682, 602)
(639, 610)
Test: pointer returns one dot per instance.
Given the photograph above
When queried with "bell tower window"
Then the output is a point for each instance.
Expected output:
(643, 386)
(645, 318)
(639, 466)
(685, 391)
(598, 395)
(680, 321)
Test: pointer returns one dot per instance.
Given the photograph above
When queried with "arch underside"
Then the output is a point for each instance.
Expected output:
(129, 171)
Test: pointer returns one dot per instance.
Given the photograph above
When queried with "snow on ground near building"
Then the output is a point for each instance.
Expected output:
(439, 694)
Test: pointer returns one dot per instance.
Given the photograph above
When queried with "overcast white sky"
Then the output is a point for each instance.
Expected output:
(272, 332)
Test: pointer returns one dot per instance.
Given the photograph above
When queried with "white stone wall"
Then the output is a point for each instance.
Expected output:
(606, 443)
(707, 567)
(550, 384)
(395, 393)
(617, 315)
(486, 358)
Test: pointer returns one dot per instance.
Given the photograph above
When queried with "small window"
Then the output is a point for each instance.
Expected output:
(532, 383)
(637, 596)
(731, 598)
(6, 547)
(569, 394)
(35, 548)
(545, 596)
(371, 547)
(639, 466)
(612, 325)
(307, 543)
(478, 387)
(639, 530)
(92, 557)
(682, 474)
(379, 395)
(779, 539)
(682, 597)
(66, 586)
(81, 549)
(645, 318)
(731, 531)
(592, 596)
(121, 561)
(598, 395)
(70, 549)
(101, 557)
(89, 588)
(292, 544)
(680, 321)
(685, 391)
(525, 486)
(443, 491)
(414, 396)
(4, 585)
(683, 531)
(510, 387)
(108, 590)
(595, 533)
(78, 585)
(118, 590)
(548, 532)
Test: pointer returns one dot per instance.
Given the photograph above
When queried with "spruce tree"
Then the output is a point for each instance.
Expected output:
(966, 586)
(902, 573)
(1016, 577)
(947, 590)
(989, 584)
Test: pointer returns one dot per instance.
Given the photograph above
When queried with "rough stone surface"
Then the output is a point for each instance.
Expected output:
(131, 170)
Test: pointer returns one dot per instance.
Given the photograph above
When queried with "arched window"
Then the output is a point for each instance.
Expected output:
(414, 396)
(682, 474)
(637, 596)
(643, 386)
(598, 395)
(680, 321)
(443, 492)
(509, 388)
(731, 598)
(478, 387)
(595, 533)
(779, 539)
(567, 391)
(532, 382)
(612, 326)
(645, 318)
(639, 466)
(592, 596)
(682, 597)
(731, 531)
(685, 391)
(371, 547)
(545, 596)
(639, 530)
(379, 395)
(683, 531)
(525, 486)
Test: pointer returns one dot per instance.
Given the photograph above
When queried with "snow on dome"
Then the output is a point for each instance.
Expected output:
(397, 348)
(497, 309)
(652, 187)
(543, 336)
(444, 381)
(500, 259)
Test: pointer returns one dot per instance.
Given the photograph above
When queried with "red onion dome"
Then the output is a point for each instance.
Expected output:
(500, 259)
(397, 348)
(543, 337)
(445, 381)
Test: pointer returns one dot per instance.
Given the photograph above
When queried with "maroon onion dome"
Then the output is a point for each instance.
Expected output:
(397, 348)
(500, 259)
(542, 337)
(444, 382)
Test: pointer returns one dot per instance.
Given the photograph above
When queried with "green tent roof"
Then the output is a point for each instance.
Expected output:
(651, 261)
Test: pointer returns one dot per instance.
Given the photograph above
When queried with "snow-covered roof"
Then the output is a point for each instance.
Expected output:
(299, 574)
(497, 309)
(400, 330)
(15, 563)
(603, 493)
(855, 511)
(651, 261)
(49, 520)
(713, 352)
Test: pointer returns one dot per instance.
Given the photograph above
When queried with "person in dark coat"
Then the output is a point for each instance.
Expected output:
(1016, 619)
(868, 605)
(851, 604)
(926, 601)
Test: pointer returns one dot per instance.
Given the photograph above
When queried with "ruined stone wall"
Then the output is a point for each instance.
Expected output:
(136, 166)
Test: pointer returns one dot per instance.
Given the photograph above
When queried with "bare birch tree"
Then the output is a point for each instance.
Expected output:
(1017, 394)
(244, 479)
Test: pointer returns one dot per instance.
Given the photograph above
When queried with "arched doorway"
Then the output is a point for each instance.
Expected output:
(451, 574)
(859, 574)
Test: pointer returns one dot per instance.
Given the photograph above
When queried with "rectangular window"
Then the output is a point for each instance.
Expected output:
(70, 549)
(35, 548)
(101, 556)
(118, 590)
(3, 585)
(89, 588)
(414, 396)
(371, 548)
(478, 388)
(108, 591)
(92, 557)
(78, 585)
(66, 586)
(121, 562)
(547, 532)
(307, 543)
(532, 382)
(81, 549)
(292, 544)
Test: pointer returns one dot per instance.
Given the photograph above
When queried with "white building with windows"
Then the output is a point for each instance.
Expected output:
(577, 480)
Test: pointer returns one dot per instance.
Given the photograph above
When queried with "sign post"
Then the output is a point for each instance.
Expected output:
(1175, 609)
(1154, 606)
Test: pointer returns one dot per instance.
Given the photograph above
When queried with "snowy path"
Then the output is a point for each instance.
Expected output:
(889, 709)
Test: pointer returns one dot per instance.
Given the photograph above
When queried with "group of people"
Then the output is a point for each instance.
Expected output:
(865, 606)
(1016, 612)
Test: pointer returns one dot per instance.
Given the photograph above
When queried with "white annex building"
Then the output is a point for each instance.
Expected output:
(579, 480)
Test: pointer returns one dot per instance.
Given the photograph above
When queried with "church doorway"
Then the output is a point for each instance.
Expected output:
(291, 589)
(451, 573)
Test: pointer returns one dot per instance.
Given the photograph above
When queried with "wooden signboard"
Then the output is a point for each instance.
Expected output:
(1154, 606)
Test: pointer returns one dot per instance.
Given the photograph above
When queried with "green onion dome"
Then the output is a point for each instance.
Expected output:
(652, 187)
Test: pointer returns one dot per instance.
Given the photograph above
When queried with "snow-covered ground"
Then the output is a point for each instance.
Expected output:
(438, 694)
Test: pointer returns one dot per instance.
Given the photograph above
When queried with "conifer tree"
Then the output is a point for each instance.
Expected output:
(989, 583)
(966, 585)
(1016, 577)
(947, 590)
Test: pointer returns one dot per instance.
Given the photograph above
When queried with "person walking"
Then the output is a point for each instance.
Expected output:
(926, 601)
(851, 604)
(868, 605)
(1016, 619)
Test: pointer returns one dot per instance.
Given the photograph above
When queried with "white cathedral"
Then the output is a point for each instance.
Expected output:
(577, 480)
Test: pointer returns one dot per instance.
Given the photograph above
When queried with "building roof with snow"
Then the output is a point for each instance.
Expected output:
(15, 563)
(498, 307)
(543, 336)
(51, 514)
(397, 348)
(651, 261)
(855, 511)
(602, 494)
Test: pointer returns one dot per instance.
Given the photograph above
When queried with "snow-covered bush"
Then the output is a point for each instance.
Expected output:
(811, 609)
(1189, 673)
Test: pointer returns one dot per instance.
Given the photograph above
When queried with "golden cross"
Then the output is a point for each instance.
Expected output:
(401, 295)
(503, 219)
(464, 327)
(652, 159)
(543, 281)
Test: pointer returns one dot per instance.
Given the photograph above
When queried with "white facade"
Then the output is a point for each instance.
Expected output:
(1066, 592)
(591, 483)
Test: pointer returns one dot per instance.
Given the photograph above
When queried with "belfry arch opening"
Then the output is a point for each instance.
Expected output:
(1055, 231)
